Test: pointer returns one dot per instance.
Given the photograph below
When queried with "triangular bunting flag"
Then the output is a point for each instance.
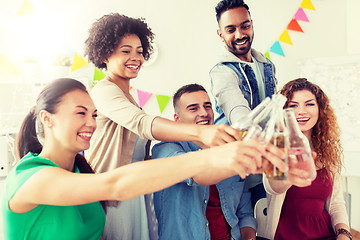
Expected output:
(162, 101)
(25, 8)
(98, 75)
(294, 25)
(267, 55)
(7, 67)
(307, 4)
(143, 97)
(276, 48)
(78, 62)
(285, 37)
(300, 15)
(130, 88)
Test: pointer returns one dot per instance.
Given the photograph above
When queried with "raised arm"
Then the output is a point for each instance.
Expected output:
(250, 159)
(207, 135)
(225, 89)
(55, 186)
(112, 102)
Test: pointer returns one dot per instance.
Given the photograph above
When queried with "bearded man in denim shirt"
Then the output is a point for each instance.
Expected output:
(191, 209)
(242, 77)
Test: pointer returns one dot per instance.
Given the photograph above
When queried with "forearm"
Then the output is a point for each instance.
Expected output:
(342, 236)
(210, 177)
(341, 225)
(166, 130)
(150, 176)
(203, 135)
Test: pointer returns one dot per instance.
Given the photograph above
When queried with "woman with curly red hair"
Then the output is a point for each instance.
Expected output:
(297, 207)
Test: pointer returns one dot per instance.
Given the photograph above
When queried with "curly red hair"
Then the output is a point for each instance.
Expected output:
(325, 135)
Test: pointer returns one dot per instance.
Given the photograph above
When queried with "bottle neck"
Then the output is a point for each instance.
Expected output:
(291, 122)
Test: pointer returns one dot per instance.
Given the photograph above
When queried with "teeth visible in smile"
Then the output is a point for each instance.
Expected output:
(303, 119)
(241, 43)
(133, 66)
(85, 134)
(203, 122)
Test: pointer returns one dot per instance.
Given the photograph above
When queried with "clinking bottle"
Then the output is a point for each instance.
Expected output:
(263, 126)
(299, 146)
(244, 124)
(280, 138)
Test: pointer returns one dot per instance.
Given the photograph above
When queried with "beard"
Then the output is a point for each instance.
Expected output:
(239, 50)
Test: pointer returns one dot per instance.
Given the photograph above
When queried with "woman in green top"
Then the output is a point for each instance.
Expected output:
(46, 197)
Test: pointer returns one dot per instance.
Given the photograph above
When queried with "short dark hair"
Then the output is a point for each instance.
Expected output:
(226, 5)
(106, 33)
(189, 88)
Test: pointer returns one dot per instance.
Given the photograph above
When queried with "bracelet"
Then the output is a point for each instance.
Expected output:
(344, 231)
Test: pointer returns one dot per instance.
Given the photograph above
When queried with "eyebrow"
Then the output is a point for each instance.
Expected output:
(130, 46)
(196, 104)
(80, 106)
(192, 105)
(233, 25)
(305, 101)
(85, 108)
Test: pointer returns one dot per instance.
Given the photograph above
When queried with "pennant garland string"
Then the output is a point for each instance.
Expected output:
(293, 26)
(143, 96)
(163, 100)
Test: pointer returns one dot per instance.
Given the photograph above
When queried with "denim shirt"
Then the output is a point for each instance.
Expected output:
(244, 83)
(180, 209)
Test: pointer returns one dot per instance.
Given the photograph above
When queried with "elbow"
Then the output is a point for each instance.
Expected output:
(117, 189)
(123, 194)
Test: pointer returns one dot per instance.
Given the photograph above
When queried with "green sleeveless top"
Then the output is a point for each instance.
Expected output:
(48, 221)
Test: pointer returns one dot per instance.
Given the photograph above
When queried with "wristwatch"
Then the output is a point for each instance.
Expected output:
(345, 232)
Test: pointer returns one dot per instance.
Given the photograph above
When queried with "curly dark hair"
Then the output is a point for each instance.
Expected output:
(106, 33)
(325, 135)
(226, 5)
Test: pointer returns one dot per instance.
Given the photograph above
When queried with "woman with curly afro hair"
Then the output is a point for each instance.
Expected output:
(121, 44)
(299, 208)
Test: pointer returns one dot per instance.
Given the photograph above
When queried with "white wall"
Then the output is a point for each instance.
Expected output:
(186, 39)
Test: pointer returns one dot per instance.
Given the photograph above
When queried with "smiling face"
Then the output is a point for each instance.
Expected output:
(73, 123)
(194, 107)
(236, 31)
(125, 62)
(306, 110)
